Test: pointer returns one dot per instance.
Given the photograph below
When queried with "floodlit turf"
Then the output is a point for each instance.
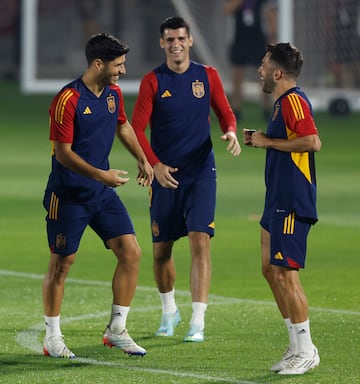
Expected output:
(244, 333)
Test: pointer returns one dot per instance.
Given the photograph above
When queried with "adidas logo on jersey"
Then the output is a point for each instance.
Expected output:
(87, 111)
(166, 94)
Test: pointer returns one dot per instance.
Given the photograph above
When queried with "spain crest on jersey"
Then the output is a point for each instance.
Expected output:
(276, 111)
(111, 103)
(198, 89)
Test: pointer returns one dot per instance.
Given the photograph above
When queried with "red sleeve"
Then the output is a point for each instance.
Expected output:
(122, 118)
(62, 112)
(297, 115)
(219, 101)
(142, 113)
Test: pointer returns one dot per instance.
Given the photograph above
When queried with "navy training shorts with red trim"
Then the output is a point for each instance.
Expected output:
(176, 212)
(66, 221)
(288, 238)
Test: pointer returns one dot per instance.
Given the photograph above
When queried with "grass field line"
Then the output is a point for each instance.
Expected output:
(213, 298)
(29, 339)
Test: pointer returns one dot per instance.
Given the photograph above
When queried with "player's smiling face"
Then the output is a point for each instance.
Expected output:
(113, 70)
(266, 71)
(176, 43)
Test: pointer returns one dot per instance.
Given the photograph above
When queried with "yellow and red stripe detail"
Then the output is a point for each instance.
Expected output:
(296, 106)
(300, 159)
(60, 105)
(289, 224)
(54, 207)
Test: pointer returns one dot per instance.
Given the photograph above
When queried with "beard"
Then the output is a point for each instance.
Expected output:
(107, 77)
(268, 85)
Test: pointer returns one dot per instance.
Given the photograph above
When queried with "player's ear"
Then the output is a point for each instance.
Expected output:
(161, 42)
(191, 40)
(277, 73)
(98, 64)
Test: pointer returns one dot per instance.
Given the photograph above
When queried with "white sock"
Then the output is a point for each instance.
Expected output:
(52, 326)
(118, 318)
(198, 315)
(303, 338)
(292, 335)
(168, 301)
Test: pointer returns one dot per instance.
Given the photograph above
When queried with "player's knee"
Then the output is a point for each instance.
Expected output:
(129, 255)
(162, 258)
(199, 243)
(268, 272)
(60, 266)
(136, 252)
(280, 278)
(162, 252)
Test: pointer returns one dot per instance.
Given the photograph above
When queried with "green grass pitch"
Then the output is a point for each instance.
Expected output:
(244, 332)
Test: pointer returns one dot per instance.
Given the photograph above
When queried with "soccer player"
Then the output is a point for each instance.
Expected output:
(84, 118)
(290, 202)
(176, 98)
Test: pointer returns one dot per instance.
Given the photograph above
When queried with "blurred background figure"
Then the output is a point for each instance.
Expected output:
(254, 24)
(10, 35)
(344, 43)
(89, 14)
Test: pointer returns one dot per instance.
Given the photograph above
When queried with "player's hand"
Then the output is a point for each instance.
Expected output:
(163, 175)
(234, 146)
(146, 174)
(247, 133)
(113, 178)
(259, 139)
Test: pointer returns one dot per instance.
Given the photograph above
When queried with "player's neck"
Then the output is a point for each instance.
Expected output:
(178, 67)
(92, 84)
(283, 87)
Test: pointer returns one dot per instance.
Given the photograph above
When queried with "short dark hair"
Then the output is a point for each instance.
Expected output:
(174, 23)
(286, 56)
(104, 46)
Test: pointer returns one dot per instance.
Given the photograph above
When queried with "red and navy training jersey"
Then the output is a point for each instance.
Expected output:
(88, 123)
(178, 109)
(290, 176)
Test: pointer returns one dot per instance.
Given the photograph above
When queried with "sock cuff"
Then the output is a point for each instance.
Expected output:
(199, 305)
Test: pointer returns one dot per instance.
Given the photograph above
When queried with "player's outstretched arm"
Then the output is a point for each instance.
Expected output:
(126, 134)
(233, 146)
(309, 143)
(71, 160)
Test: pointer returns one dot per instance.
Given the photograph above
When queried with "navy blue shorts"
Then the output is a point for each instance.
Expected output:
(288, 238)
(66, 221)
(176, 212)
